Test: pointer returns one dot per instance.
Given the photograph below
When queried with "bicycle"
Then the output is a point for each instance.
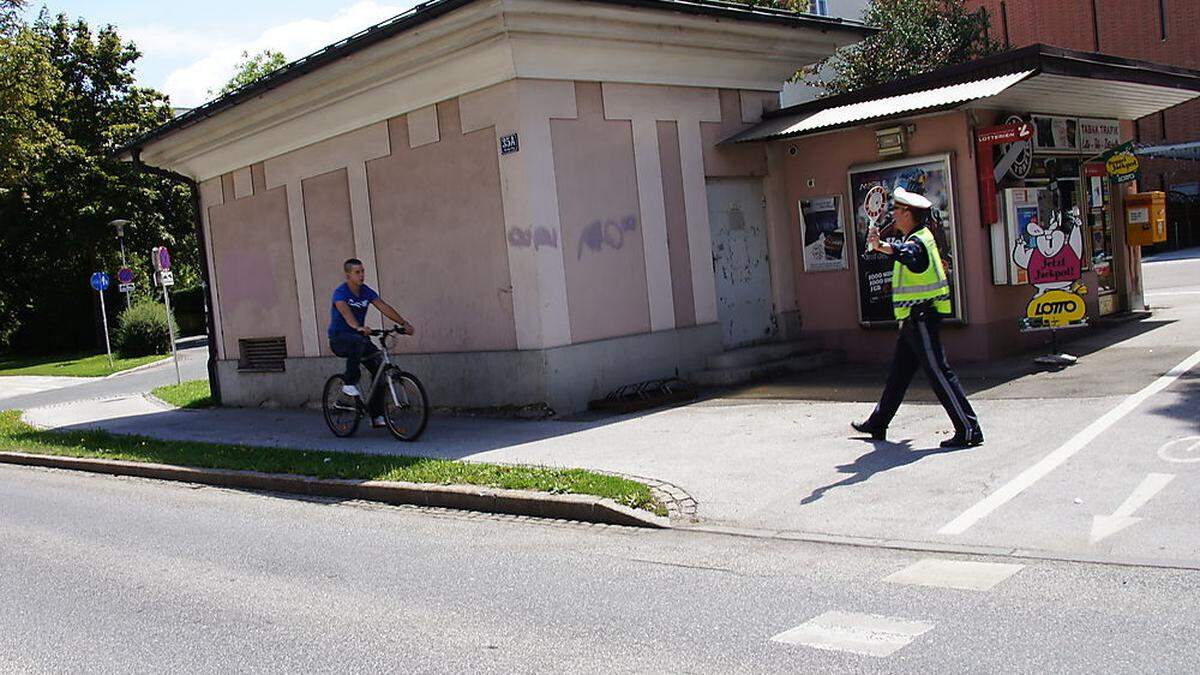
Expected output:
(406, 407)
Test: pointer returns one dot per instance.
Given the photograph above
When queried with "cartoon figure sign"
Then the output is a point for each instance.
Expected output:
(1050, 256)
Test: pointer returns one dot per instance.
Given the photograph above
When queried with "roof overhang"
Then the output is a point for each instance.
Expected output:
(1188, 151)
(1035, 79)
(448, 48)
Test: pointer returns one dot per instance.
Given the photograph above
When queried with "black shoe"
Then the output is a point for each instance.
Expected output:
(968, 440)
(868, 428)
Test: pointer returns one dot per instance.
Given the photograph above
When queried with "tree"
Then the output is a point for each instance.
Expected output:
(916, 36)
(57, 200)
(10, 15)
(252, 68)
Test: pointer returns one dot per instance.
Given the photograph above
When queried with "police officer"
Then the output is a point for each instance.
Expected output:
(920, 298)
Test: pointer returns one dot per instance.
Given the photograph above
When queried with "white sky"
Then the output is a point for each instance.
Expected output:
(190, 48)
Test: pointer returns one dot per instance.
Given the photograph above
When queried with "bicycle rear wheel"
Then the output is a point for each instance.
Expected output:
(342, 412)
(405, 405)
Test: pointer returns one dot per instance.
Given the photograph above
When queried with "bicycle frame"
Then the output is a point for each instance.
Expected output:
(380, 375)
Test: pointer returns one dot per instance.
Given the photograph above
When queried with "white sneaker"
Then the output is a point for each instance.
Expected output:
(379, 422)
(350, 390)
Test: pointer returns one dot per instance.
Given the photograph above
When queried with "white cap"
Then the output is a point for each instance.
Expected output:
(916, 201)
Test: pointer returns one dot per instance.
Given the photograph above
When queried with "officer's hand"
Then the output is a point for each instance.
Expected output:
(409, 329)
(873, 238)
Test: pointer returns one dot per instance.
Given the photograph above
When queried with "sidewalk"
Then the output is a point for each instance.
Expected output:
(781, 458)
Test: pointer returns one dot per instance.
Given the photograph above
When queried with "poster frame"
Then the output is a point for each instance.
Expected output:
(958, 278)
(839, 201)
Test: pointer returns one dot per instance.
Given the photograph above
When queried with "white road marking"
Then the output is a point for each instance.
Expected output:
(963, 575)
(1105, 526)
(866, 634)
(1181, 450)
(1064, 452)
(19, 385)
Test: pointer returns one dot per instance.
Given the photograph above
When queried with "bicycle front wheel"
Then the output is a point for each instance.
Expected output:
(342, 412)
(405, 405)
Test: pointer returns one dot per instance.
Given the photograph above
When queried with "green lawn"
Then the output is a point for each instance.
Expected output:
(75, 365)
(16, 436)
(190, 394)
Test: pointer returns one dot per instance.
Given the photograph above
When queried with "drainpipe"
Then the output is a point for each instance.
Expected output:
(214, 381)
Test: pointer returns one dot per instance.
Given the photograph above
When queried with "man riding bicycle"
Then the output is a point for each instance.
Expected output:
(348, 333)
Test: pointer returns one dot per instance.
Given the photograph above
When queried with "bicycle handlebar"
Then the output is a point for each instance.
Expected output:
(388, 331)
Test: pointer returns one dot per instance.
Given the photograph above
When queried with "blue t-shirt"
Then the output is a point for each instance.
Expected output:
(358, 307)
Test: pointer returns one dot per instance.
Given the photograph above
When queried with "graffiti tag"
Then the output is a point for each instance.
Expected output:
(610, 233)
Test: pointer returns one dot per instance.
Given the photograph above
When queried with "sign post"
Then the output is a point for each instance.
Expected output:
(100, 282)
(162, 269)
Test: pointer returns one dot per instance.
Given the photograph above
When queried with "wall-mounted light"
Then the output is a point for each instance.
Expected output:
(889, 141)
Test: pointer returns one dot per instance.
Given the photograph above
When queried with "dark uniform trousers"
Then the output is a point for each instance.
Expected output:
(920, 346)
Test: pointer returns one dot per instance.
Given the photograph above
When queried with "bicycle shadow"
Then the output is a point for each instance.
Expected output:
(885, 456)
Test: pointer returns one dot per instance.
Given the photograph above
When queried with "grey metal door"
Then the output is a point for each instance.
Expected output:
(743, 272)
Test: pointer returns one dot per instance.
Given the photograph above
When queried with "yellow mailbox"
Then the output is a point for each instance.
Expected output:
(1145, 218)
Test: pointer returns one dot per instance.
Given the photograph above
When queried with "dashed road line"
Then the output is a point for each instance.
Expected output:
(957, 574)
(866, 634)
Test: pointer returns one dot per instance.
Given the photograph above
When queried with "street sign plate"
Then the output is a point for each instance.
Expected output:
(125, 288)
(165, 278)
(100, 281)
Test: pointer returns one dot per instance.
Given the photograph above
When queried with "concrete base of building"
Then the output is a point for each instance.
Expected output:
(564, 378)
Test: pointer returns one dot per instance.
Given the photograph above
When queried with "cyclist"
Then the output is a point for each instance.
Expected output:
(348, 333)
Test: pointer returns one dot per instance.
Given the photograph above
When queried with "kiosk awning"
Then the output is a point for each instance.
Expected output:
(1037, 78)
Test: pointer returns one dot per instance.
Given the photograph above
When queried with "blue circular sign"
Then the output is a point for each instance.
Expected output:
(100, 281)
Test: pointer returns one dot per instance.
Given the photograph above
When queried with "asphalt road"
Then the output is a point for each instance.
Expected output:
(193, 365)
(102, 574)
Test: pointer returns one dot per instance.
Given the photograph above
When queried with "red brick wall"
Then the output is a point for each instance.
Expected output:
(1127, 28)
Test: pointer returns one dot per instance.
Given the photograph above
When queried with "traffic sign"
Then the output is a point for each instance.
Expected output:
(164, 258)
(100, 281)
(125, 288)
(165, 278)
(125, 276)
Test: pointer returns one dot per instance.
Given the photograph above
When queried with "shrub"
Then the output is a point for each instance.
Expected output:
(142, 330)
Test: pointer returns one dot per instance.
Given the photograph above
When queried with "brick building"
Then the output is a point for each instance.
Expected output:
(1161, 31)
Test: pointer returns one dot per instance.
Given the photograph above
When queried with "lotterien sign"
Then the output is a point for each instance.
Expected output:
(1122, 167)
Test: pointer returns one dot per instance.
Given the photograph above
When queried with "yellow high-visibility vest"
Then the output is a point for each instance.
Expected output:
(910, 289)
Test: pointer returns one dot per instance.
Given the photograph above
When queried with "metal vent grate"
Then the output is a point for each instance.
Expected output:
(262, 355)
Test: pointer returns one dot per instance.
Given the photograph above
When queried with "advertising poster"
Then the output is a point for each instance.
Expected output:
(929, 176)
(1055, 133)
(824, 234)
(1050, 254)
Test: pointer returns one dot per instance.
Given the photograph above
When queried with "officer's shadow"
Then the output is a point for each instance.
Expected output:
(886, 455)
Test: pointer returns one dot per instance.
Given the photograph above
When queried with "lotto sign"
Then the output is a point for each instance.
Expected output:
(1122, 167)
(1055, 309)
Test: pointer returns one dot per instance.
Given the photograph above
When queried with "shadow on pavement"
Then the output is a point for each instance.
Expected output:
(863, 383)
(886, 455)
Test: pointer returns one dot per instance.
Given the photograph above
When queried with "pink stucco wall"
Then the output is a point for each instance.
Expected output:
(330, 240)
(440, 239)
(677, 234)
(603, 254)
(253, 259)
(724, 161)
(828, 301)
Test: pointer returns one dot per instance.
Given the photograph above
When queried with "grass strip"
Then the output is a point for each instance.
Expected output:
(73, 365)
(190, 394)
(17, 436)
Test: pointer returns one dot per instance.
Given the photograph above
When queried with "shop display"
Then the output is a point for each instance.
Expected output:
(824, 232)
(929, 176)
